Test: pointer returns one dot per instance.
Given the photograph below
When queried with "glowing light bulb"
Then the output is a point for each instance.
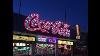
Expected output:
(17, 44)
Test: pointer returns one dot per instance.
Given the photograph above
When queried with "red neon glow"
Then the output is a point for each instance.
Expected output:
(33, 23)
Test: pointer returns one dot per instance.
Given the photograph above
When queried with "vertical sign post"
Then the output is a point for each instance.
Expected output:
(55, 49)
(77, 32)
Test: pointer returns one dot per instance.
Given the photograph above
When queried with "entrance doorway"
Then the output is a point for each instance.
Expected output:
(45, 49)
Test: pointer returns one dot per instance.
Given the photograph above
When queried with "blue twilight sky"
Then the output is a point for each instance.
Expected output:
(76, 10)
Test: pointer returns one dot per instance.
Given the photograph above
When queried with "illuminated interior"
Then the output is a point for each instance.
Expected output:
(45, 48)
(21, 48)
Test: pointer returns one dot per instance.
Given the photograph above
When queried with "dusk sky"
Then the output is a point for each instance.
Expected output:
(76, 10)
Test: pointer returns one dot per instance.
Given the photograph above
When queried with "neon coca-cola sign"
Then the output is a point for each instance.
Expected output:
(33, 23)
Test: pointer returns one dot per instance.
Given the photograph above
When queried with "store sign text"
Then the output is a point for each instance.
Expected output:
(42, 38)
(25, 38)
(52, 40)
(65, 42)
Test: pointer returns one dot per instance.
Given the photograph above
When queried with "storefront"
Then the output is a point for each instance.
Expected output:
(23, 45)
(45, 45)
(42, 43)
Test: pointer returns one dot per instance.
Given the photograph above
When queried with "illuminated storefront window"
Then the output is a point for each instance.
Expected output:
(45, 49)
(22, 48)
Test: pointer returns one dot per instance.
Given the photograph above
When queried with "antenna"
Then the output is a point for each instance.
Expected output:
(69, 14)
(65, 16)
(19, 7)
